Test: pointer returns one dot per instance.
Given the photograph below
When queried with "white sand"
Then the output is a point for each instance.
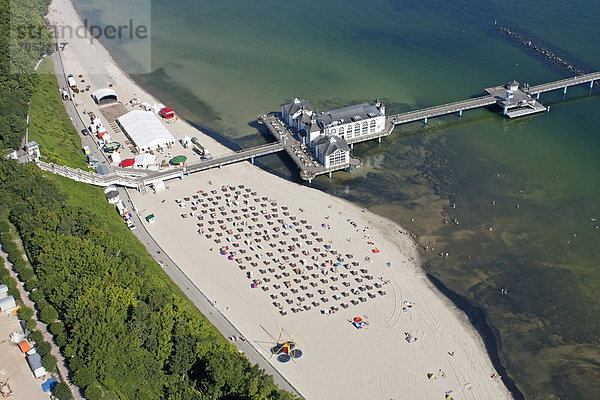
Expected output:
(339, 361)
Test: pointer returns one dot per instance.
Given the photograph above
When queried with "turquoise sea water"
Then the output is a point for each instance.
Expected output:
(220, 64)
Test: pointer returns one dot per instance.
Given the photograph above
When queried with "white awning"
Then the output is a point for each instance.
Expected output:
(145, 130)
(102, 94)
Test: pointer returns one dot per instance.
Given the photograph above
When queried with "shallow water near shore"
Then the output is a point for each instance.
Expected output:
(525, 191)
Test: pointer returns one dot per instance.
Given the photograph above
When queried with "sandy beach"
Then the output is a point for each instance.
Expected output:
(281, 259)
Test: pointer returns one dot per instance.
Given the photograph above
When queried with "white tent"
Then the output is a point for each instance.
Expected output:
(159, 186)
(104, 95)
(145, 130)
(144, 160)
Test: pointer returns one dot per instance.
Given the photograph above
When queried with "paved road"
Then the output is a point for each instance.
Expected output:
(202, 302)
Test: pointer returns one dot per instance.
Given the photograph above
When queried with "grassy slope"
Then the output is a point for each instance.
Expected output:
(49, 124)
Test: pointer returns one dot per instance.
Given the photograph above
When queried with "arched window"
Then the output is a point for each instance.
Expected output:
(372, 126)
(365, 128)
(356, 130)
(349, 132)
(333, 131)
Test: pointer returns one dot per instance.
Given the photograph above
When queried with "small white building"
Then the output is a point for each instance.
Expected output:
(331, 151)
(295, 111)
(33, 151)
(112, 197)
(35, 363)
(145, 130)
(7, 304)
(513, 85)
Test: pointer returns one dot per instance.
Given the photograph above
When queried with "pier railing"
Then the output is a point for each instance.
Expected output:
(443, 109)
(564, 83)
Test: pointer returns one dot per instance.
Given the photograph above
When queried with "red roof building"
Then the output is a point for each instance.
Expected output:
(24, 346)
(167, 113)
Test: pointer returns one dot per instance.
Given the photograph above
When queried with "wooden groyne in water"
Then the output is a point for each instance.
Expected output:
(541, 49)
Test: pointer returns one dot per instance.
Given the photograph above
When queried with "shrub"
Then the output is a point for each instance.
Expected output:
(43, 348)
(32, 284)
(30, 324)
(59, 333)
(25, 313)
(57, 328)
(36, 336)
(37, 295)
(4, 227)
(93, 392)
(62, 392)
(41, 304)
(26, 274)
(19, 265)
(49, 362)
(48, 314)
(11, 249)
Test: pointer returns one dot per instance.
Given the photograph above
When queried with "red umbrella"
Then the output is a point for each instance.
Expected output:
(357, 319)
(128, 162)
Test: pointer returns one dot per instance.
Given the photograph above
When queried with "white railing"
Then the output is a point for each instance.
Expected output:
(88, 177)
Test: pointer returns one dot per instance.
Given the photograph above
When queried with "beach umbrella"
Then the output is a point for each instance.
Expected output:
(128, 162)
(357, 319)
(375, 250)
(253, 285)
(388, 264)
(430, 376)
(178, 160)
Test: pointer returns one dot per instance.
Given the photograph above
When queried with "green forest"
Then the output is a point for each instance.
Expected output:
(126, 330)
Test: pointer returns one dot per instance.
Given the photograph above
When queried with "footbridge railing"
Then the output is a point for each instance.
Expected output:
(88, 177)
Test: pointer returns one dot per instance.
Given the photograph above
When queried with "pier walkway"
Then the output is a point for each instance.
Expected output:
(565, 83)
(520, 102)
(487, 100)
(215, 162)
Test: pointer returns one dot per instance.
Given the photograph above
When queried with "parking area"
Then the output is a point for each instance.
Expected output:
(14, 369)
